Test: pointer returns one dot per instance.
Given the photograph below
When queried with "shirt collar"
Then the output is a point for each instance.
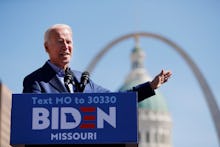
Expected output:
(60, 72)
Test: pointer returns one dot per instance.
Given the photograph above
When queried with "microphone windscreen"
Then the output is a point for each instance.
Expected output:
(85, 77)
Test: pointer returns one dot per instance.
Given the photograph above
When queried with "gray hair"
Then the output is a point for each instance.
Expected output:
(48, 31)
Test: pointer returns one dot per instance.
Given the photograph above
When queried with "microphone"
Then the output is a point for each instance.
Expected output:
(84, 80)
(68, 78)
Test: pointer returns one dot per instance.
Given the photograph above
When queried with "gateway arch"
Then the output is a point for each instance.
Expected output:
(209, 97)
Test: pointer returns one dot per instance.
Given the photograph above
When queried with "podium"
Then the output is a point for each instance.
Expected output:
(80, 118)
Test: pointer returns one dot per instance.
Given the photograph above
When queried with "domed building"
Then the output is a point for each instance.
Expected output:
(155, 124)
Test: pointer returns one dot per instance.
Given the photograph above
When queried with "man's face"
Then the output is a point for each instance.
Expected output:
(60, 47)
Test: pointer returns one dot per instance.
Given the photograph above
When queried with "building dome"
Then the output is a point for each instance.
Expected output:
(154, 119)
(139, 75)
(155, 103)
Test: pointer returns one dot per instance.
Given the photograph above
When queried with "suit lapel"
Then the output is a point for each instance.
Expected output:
(55, 82)
(50, 76)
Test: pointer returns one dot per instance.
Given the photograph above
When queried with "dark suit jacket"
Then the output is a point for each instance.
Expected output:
(44, 80)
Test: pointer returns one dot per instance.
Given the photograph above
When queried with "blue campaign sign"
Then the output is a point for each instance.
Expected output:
(79, 118)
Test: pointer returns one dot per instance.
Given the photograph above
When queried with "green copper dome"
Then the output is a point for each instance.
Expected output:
(139, 75)
(154, 103)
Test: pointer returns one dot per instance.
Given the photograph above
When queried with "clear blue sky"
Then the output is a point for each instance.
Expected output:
(192, 24)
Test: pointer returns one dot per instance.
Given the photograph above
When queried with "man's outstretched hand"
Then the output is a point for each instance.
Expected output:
(160, 79)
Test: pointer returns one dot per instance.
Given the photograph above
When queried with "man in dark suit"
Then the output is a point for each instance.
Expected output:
(58, 44)
(52, 77)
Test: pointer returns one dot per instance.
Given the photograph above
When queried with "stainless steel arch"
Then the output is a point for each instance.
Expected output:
(209, 97)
